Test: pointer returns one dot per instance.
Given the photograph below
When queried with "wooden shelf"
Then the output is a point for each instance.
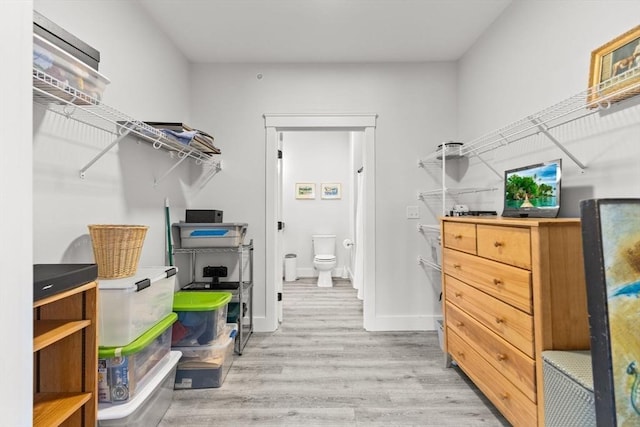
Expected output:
(52, 409)
(47, 332)
(65, 358)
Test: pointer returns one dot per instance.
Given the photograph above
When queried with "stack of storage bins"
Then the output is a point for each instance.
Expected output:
(136, 367)
(203, 337)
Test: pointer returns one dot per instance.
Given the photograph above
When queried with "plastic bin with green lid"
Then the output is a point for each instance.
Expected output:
(122, 369)
(202, 317)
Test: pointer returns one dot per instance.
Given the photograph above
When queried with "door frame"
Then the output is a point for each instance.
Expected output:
(275, 123)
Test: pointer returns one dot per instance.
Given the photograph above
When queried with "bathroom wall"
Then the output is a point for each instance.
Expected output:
(315, 157)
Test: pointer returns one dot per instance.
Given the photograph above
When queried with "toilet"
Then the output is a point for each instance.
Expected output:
(324, 257)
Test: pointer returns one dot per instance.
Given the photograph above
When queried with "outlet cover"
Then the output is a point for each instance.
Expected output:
(413, 212)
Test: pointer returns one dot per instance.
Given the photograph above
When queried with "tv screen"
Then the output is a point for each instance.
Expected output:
(533, 191)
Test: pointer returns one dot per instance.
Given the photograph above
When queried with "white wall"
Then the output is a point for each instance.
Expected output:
(16, 293)
(149, 81)
(535, 55)
(316, 157)
(416, 107)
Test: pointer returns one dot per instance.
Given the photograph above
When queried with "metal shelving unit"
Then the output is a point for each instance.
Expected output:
(242, 290)
(60, 98)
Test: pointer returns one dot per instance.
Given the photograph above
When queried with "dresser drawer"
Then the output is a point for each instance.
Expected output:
(509, 284)
(510, 245)
(506, 321)
(516, 407)
(513, 364)
(459, 236)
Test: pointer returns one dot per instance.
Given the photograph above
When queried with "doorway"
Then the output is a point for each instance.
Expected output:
(325, 162)
(274, 125)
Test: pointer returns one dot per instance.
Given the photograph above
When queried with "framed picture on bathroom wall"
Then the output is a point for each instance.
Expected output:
(305, 190)
(331, 190)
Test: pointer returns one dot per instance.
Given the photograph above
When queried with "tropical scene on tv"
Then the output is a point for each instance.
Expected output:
(536, 187)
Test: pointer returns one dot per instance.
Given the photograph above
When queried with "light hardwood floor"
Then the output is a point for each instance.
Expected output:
(320, 368)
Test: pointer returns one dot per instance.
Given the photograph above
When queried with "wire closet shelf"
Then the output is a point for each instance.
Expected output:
(583, 104)
(60, 98)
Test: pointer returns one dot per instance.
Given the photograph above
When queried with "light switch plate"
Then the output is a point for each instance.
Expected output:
(413, 212)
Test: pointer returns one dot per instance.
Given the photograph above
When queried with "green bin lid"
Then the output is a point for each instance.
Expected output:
(200, 301)
(141, 342)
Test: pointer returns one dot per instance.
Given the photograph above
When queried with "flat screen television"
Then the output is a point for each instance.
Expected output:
(533, 191)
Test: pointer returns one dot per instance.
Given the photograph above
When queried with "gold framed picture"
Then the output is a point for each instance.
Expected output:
(305, 190)
(614, 67)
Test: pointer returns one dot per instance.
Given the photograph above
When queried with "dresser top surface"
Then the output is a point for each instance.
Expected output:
(499, 220)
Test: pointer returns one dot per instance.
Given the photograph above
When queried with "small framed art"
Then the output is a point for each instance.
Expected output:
(305, 190)
(331, 190)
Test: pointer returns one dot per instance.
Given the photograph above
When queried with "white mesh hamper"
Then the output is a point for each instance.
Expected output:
(568, 389)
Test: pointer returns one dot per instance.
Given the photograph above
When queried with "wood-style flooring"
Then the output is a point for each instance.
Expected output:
(320, 368)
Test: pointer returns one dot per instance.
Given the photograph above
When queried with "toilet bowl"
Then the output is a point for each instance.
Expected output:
(324, 259)
(324, 264)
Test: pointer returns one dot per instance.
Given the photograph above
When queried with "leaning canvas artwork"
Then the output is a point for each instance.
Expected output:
(611, 244)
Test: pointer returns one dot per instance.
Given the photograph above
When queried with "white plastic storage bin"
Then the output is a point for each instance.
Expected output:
(130, 306)
(206, 366)
(202, 316)
(211, 235)
(150, 403)
(122, 369)
(74, 80)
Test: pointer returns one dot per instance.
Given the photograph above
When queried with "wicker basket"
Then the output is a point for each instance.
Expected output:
(117, 248)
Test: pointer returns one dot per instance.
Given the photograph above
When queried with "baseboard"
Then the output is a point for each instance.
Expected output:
(260, 324)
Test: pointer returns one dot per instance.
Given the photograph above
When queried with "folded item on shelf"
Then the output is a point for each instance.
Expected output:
(184, 137)
(201, 140)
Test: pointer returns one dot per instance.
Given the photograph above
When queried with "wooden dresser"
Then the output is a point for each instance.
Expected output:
(512, 288)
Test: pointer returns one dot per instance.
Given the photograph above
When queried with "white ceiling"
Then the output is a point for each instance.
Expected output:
(324, 30)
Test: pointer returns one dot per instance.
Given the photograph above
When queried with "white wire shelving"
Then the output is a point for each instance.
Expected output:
(583, 104)
(593, 100)
(588, 102)
(428, 263)
(60, 98)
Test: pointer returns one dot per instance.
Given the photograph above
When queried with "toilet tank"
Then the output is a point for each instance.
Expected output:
(324, 244)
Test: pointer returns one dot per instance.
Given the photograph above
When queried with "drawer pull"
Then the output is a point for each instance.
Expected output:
(497, 282)
(498, 244)
(504, 396)
(501, 357)
(456, 266)
(459, 324)
(457, 236)
(461, 353)
(499, 320)
(457, 294)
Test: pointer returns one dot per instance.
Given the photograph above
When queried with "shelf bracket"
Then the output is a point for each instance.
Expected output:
(498, 174)
(181, 158)
(545, 130)
(125, 131)
(428, 263)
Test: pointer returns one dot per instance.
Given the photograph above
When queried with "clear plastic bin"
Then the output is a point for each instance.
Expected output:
(71, 75)
(121, 369)
(131, 306)
(206, 366)
(202, 316)
(211, 235)
(150, 403)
